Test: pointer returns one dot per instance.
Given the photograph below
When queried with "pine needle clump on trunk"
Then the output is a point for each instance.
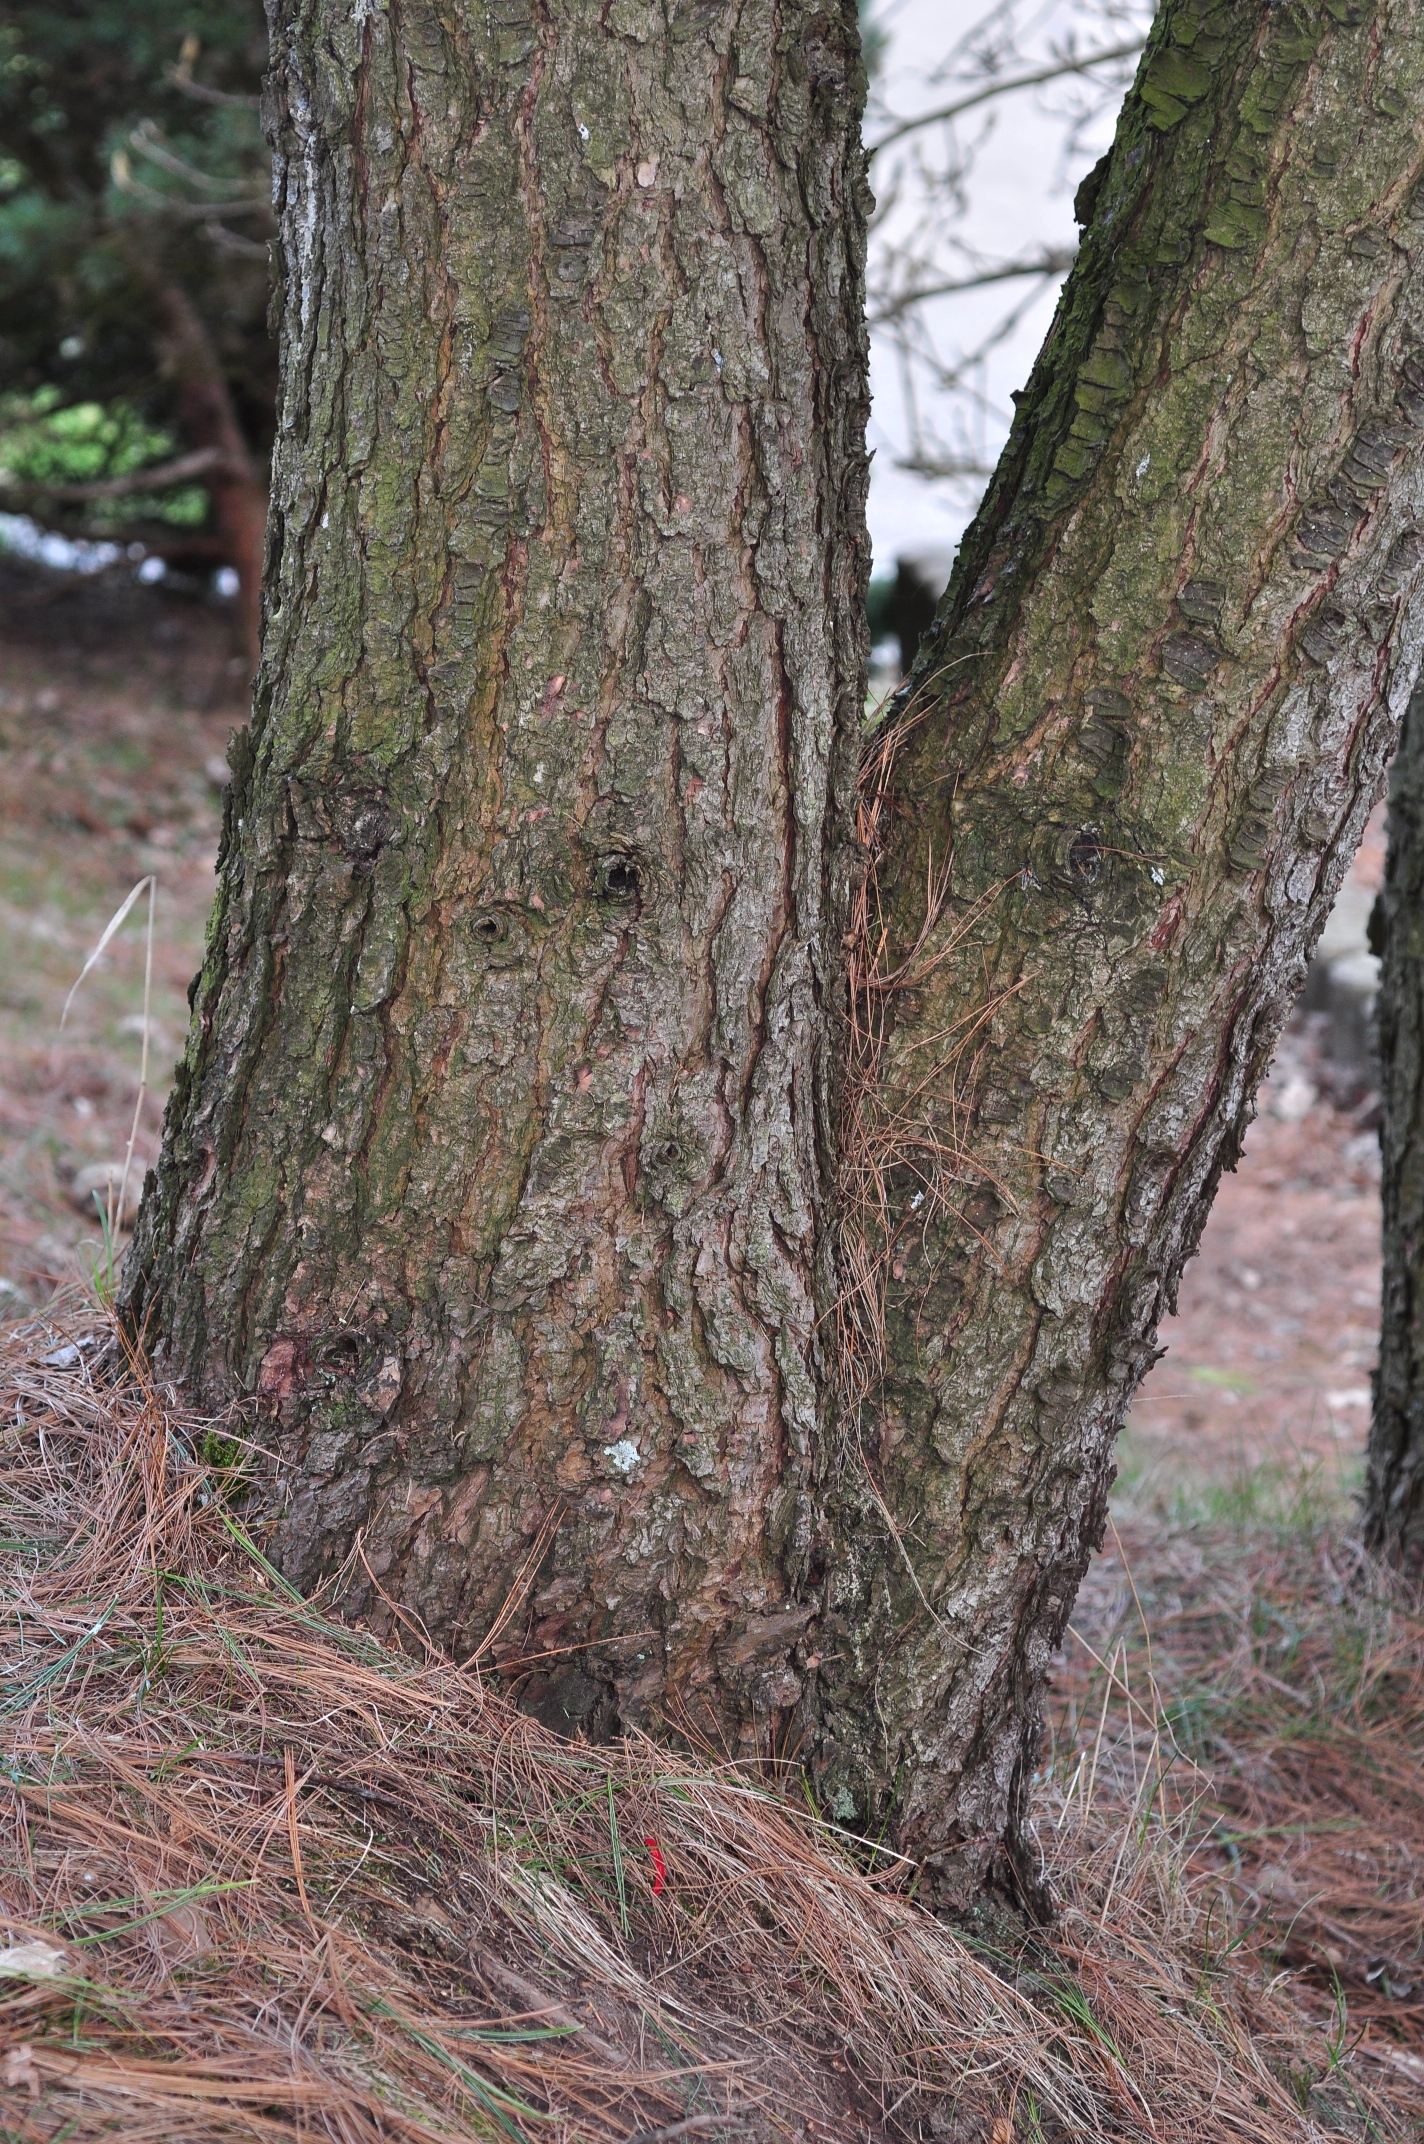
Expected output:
(904, 1147)
(267, 1877)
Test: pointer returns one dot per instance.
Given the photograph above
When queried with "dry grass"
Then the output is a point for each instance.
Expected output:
(295, 1884)
(1257, 1690)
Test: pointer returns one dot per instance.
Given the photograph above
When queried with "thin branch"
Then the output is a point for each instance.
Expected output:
(1056, 261)
(181, 77)
(147, 140)
(226, 241)
(200, 92)
(952, 379)
(927, 465)
(159, 476)
(121, 172)
(990, 90)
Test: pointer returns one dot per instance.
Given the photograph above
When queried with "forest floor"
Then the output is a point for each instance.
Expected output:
(1232, 1800)
(116, 704)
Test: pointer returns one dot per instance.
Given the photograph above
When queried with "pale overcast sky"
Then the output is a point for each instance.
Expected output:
(1020, 199)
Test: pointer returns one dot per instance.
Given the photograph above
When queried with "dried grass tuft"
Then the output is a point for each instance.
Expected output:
(265, 1877)
(1256, 1694)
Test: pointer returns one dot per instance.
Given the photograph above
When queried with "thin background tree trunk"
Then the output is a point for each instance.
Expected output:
(206, 418)
(1394, 1493)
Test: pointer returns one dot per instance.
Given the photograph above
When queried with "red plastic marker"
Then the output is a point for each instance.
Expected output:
(659, 1866)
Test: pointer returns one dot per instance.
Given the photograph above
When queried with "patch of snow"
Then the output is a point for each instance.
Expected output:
(26, 539)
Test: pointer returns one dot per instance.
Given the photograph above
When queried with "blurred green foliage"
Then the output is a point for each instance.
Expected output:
(43, 439)
(131, 157)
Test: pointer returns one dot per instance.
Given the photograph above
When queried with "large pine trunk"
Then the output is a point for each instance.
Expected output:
(1112, 814)
(694, 1246)
(1394, 1495)
(498, 1165)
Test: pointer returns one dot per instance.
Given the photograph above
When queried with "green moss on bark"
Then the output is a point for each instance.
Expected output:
(1134, 760)
(496, 1173)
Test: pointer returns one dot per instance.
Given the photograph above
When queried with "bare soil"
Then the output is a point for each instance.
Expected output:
(1268, 1360)
(116, 703)
(1277, 1329)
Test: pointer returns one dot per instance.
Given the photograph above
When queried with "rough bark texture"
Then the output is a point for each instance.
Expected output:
(1394, 1494)
(496, 1166)
(498, 1170)
(1130, 769)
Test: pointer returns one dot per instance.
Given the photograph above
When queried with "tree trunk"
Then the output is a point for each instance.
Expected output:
(1113, 807)
(497, 1166)
(206, 418)
(1394, 1490)
(500, 1170)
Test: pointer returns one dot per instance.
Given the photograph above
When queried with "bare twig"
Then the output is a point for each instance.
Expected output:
(1003, 86)
(148, 142)
(181, 76)
(1054, 260)
(121, 172)
(157, 476)
(117, 1215)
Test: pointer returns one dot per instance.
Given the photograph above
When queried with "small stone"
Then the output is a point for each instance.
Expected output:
(105, 1178)
(1293, 1101)
(159, 1040)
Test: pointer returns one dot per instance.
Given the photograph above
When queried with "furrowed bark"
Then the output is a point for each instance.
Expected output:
(496, 1169)
(499, 1171)
(1113, 805)
(1394, 1489)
